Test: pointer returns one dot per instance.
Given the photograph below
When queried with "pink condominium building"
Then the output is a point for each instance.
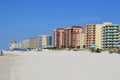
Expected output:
(68, 37)
(59, 37)
(72, 36)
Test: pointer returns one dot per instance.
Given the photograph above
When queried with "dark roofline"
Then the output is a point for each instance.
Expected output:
(60, 28)
(76, 26)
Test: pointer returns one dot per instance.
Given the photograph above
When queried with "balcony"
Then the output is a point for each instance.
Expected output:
(89, 34)
(112, 30)
(110, 43)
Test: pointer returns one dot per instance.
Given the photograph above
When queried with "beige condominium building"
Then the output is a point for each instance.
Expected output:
(33, 43)
(81, 41)
(93, 34)
(45, 41)
(98, 33)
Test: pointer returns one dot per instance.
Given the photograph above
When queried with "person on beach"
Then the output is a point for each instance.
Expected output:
(1, 52)
(98, 50)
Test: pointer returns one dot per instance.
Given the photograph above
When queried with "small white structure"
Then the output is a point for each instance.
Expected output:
(13, 44)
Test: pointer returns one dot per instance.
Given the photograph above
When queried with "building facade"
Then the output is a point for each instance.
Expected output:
(12, 45)
(59, 38)
(110, 36)
(98, 33)
(81, 41)
(68, 37)
(93, 34)
(24, 44)
(72, 36)
(33, 43)
(40, 41)
(90, 35)
(46, 41)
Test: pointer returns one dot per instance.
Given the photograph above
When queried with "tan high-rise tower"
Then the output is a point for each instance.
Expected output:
(90, 35)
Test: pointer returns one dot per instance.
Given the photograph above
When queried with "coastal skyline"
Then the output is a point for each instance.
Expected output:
(22, 19)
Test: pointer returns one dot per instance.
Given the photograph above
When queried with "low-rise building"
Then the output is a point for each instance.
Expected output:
(12, 45)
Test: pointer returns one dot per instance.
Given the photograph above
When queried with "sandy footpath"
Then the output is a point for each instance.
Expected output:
(6, 64)
(66, 65)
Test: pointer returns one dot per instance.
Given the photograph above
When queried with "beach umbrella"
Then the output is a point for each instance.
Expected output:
(94, 46)
(118, 43)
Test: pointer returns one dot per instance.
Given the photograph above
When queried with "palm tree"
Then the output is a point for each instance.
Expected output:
(84, 46)
(63, 47)
(78, 47)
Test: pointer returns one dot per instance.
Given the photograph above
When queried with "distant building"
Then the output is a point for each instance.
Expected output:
(68, 37)
(13, 44)
(33, 43)
(59, 37)
(24, 44)
(81, 41)
(44, 41)
(72, 36)
(41, 41)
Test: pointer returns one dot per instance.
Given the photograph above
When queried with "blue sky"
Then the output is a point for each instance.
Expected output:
(22, 19)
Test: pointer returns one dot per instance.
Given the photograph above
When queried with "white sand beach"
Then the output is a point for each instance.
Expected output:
(6, 63)
(60, 65)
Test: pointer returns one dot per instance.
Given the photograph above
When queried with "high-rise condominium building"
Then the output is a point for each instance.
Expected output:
(59, 37)
(72, 36)
(119, 34)
(44, 41)
(90, 36)
(39, 41)
(110, 36)
(93, 34)
(68, 37)
(33, 43)
(98, 33)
